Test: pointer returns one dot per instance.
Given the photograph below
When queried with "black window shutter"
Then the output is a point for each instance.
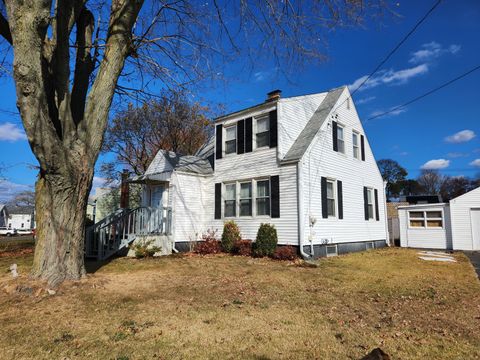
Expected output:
(335, 135)
(218, 201)
(275, 193)
(248, 135)
(273, 128)
(377, 210)
(340, 199)
(362, 144)
(241, 137)
(365, 202)
(324, 197)
(219, 141)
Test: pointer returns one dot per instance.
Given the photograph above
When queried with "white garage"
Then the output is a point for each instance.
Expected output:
(453, 226)
(465, 213)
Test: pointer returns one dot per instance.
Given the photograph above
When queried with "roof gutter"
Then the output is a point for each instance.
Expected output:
(300, 212)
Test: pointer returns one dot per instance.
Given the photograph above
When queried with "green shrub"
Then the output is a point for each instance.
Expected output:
(144, 249)
(231, 234)
(266, 241)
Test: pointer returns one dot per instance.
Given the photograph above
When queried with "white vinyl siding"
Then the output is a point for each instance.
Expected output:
(464, 212)
(262, 135)
(231, 139)
(355, 175)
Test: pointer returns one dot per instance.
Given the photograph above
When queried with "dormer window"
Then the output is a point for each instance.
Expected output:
(263, 132)
(231, 139)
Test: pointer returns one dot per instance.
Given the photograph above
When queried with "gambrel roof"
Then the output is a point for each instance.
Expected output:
(308, 133)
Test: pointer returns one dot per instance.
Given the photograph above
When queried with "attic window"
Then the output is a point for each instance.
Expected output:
(340, 139)
(263, 132)
(231, 139)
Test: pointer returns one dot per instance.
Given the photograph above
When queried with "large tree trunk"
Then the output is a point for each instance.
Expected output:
(61, 200)
(64, 124)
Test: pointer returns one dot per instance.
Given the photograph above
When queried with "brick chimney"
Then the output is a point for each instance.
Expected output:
(124, 190)
(273, 95)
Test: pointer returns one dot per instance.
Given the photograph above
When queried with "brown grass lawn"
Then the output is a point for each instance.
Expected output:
(225, 307)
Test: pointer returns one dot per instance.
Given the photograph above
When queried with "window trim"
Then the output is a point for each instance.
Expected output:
(226, 127)
(269, 197)
(357, 135)
(425, 219)
(224, 198)
(335, 198)
(331, 246)
(372, 198)
(239, 185)
(342, 127)
(264, 116)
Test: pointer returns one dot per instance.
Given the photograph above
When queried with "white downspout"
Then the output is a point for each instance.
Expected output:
(300, 211)
(387, 235)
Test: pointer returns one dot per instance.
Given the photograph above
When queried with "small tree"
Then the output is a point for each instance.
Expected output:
(230, 235)
(266, 241)
(393, 174)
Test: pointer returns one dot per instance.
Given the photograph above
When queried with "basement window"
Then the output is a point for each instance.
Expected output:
(332, 250)
(370, 245)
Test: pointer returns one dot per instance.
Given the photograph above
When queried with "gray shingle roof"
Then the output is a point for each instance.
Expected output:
(307, 135)
(189, 163)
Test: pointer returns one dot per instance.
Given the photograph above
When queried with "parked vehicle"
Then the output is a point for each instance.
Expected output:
(8, 232)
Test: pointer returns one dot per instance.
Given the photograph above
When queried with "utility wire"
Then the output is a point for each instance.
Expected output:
(426, 94)
(417, 25)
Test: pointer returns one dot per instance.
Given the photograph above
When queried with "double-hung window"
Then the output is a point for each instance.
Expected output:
(263, 132)
(230, 200)
(370, 205)
(355, 144)
(331, 197)
(340, 139)
(263, 197)
(246, 199)
(231, 139)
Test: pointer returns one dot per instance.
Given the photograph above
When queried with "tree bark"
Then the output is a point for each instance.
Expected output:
(61, 200)
(65, 137)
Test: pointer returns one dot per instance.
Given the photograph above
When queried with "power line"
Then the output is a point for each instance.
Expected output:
(389, 55)
(425, 94)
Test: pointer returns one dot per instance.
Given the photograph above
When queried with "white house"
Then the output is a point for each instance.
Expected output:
(21, 218)
(453, 226)
(303, 164)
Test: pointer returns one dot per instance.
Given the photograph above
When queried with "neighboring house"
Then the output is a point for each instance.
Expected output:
(453, 226)
(303, 164)
(3, 215)
(421, 199)
(21, 218)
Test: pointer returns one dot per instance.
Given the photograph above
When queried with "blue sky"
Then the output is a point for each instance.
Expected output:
(441, 131)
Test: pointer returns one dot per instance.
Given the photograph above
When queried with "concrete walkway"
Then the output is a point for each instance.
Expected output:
(474, 257)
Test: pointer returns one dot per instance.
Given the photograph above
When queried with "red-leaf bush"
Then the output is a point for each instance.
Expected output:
(208, 245)
(285, 253)
(242, 247)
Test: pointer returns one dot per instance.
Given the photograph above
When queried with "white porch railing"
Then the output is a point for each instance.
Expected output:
(119, 229)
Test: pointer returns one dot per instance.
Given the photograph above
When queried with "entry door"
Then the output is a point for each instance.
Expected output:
(475, 217)
(156, 196)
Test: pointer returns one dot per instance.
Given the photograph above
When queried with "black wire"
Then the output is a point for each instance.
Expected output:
(425, 94)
